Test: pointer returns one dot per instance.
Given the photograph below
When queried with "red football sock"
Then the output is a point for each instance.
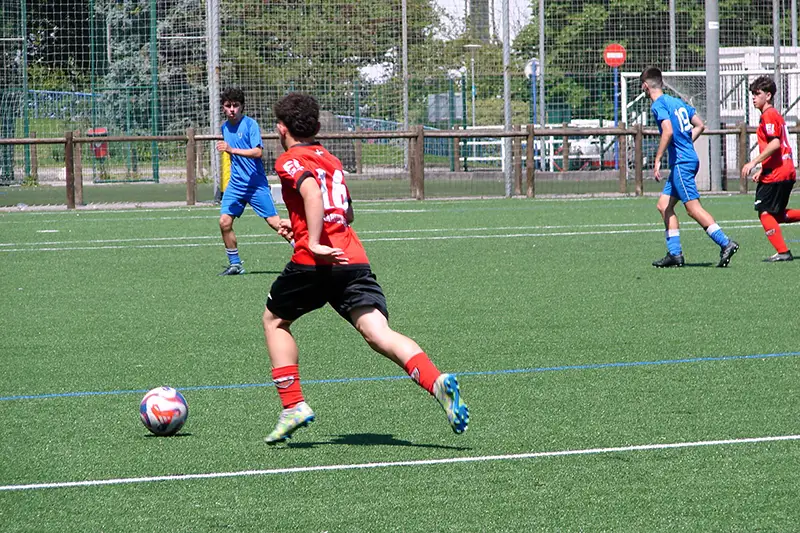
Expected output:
(287, 381)
(423, 371)
(773, 231)
(791, 215)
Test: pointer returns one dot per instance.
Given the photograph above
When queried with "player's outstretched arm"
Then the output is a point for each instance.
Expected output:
(253, 153)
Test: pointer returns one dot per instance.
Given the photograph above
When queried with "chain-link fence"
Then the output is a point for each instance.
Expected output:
(154, 67)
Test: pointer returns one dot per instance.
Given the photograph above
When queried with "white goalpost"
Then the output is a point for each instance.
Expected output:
(735, 104)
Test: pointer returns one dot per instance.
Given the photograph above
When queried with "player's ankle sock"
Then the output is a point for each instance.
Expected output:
(673, 237)
(423, 371)
(791, 215)
(233, 256)
(717, 235)
(287, 381)
(773, 231)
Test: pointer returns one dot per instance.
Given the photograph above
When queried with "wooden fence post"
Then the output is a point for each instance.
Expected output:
(78, 169)
(191, 167)
(456, 151)
(516, 152)
(34, 162)
(638, 151)
(530, 164)
(69, 169)
(742, 156)
(77, 166)
(358, 151)
(623, 159)
(418, 177)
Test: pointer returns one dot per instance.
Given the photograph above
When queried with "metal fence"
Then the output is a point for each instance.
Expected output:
(155, 67)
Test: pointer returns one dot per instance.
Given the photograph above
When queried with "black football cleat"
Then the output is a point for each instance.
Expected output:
(785, 256)
(233, 270)
(726, 253)
(669, 261)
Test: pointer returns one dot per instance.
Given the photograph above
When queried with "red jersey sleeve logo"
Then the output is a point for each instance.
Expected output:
(292, 167)
(770, 128)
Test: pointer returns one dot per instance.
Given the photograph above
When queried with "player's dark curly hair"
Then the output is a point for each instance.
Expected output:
(299, 113)
(652, 75)
(765, 84)
(232, 94)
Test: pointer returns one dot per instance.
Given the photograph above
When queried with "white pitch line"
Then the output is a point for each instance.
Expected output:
(425, 462)
(3, 246)
(86, 218)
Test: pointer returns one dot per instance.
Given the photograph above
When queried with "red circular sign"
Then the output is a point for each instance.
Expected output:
(614, 55)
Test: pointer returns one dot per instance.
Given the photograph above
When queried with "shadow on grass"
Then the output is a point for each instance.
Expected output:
(180, 434)
(371, 439)
(251, 272)
(688, 265)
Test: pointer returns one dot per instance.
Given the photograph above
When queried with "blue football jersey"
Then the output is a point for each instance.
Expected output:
(679, 113)
(246, 173)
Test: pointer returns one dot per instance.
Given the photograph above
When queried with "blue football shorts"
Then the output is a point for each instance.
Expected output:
(681, 183)
(260, 199)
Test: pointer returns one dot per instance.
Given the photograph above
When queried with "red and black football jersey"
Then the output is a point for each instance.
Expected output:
(312, 161)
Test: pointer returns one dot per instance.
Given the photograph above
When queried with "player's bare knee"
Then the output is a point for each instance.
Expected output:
(226, 222)
(375, 334)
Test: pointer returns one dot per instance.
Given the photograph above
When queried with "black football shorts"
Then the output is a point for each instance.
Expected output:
(773, 197)
(300, 289)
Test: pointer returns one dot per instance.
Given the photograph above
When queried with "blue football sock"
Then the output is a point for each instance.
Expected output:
(673, 237)
(233, 256)
(717, 235)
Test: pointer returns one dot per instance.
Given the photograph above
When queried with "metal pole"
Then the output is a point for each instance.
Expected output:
(673, 48)
(212, 67)
(464, 120)
(616, 115)
(451, 118)
(25, 114)
(712, 90)
(474, 90)
(542, 63)
(507, 155)
(404, 4)
(154, 107)
(794, 23)
(534, 150)
(776, 52)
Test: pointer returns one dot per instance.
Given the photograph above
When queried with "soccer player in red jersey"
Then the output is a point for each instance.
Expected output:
(329, 265)
(777, 174)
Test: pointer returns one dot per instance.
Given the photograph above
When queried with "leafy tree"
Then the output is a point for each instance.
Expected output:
(577, 31)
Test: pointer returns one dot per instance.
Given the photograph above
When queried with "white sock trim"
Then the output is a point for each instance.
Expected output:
(673, 233)
(712, 228)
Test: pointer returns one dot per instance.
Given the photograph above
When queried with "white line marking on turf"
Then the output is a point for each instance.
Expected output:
(425, 462)
(47, 231)
(88, 218)
(57, 246)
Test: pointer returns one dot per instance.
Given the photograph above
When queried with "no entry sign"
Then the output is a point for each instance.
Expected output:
(614, 55)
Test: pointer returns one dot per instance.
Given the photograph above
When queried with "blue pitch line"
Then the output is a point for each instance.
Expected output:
(395, 378)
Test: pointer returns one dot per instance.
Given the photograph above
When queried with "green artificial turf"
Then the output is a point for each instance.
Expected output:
(563, 336)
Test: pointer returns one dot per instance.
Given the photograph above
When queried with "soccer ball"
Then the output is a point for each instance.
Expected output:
(163, 411)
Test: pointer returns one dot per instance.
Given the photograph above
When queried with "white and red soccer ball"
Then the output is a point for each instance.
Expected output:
(163, 411)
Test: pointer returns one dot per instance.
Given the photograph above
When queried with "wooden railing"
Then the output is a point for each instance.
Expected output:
(416, 139)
